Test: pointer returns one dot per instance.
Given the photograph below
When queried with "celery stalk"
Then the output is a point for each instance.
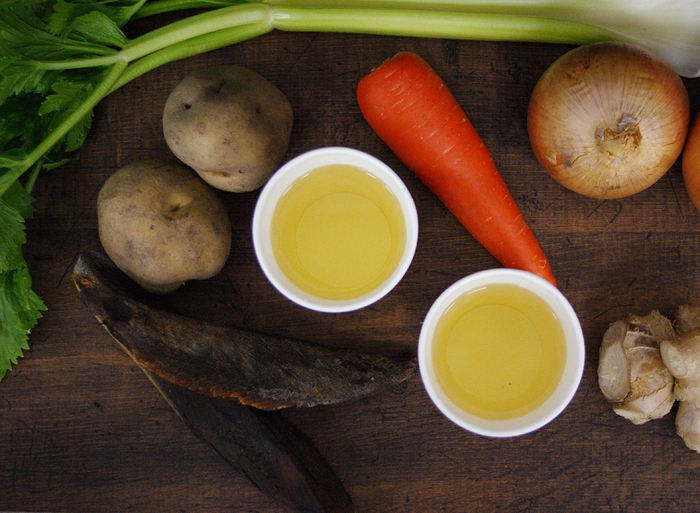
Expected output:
(437, 24)
(666, 27)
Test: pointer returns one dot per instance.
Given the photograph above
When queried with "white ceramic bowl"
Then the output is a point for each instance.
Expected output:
(280, 182)
(573, 366)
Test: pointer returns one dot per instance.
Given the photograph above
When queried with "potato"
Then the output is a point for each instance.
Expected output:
(230, 125)
(163, 225)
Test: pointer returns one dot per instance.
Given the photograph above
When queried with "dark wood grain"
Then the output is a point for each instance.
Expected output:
(82, 429)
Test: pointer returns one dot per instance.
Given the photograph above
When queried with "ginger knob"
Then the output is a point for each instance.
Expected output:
(631, 373)
(681, 355)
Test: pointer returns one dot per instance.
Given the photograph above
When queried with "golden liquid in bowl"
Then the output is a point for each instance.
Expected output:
(338, 232)
(499, 352)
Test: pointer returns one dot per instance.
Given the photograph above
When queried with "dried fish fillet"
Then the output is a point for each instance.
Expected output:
(265, 446)
(264, 371)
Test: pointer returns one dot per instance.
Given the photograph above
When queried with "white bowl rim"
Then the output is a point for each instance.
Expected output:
(573, 370)
(298, 167)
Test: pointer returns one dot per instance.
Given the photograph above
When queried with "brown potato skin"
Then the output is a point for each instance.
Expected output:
(230, 125)
(163, 225)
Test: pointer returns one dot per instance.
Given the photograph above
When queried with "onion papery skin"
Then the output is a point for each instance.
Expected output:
(691, 163)
(608, 120)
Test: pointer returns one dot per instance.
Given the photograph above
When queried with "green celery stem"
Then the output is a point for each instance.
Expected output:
(164, 6)
(437, 24)
(228, 25)
(189, 48)
(204, 24)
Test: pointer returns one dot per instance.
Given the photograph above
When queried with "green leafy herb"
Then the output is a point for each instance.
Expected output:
(60, 58)
(20, 307)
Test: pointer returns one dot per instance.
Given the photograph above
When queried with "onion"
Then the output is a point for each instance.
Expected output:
(607, 120)
(691, 163)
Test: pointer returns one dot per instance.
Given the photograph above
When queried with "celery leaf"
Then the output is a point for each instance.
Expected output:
(12, 237)
(65, 12)
(43, 85)
(97, 27)
(20, 306)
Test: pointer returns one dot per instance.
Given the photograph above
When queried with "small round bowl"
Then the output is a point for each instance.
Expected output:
(283, 179)
(573, 364)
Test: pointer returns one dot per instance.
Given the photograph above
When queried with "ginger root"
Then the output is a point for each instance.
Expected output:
(647, 363)
(687, 318)
(631, 374)
(688, 424)
(681, 355)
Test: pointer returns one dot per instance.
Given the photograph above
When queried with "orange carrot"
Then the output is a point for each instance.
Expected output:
(413, 112)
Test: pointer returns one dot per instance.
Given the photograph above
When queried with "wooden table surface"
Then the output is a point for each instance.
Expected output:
(83, 430)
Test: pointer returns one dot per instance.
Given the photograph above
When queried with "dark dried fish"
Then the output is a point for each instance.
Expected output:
(264, 446)
(264, 371)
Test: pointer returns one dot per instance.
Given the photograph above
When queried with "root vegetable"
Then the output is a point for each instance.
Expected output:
(415, 114)
(688, 424)
(686, 318)
(681, 355)
(163, 225)
(607, 120)
(646, 363)
(631, 373)
(231, 125)
(690, 163)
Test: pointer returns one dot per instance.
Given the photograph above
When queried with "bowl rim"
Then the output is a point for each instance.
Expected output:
(573, 368)
(283, 178)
